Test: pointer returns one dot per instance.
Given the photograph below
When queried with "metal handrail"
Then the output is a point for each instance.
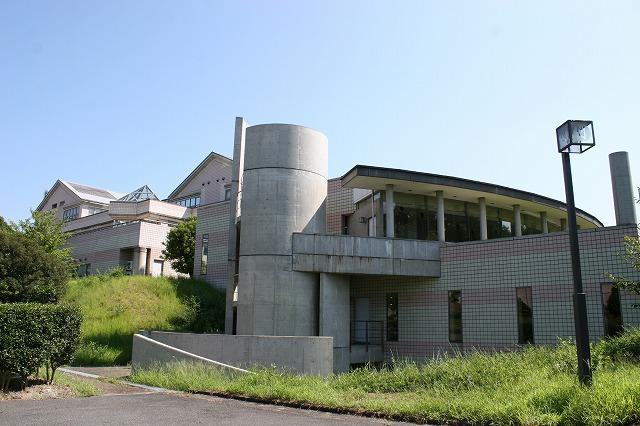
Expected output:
(373, 335)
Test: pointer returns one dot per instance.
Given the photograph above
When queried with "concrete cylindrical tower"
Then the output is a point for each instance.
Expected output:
(623, 201)
(284, 190)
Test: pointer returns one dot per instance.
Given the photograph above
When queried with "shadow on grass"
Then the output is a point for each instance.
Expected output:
(204, 307)
(110, 342)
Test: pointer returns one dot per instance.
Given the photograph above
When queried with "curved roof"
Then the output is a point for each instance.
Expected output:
(371, 177)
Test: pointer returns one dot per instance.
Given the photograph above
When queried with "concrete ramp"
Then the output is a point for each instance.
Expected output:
(298, 354)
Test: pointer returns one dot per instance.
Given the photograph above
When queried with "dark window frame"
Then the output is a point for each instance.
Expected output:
(204, 255)
(525, 337)
(610, 331)
(453, 336)
(392, 331)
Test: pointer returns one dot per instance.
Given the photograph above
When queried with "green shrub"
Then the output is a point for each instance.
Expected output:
(34, 335)
(625, 347)
(28, 273)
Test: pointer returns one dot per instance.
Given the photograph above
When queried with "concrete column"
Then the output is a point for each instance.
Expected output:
(284, 190)
(389, 210)
(237, 169)
(440, 215)
(335, 316)
(482, 202)
(147, 266)
(563, 224)
(139, 260)
(517, 221)
(623, 202)
(544, 222)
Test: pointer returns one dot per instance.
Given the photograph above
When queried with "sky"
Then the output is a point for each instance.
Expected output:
(118, 94)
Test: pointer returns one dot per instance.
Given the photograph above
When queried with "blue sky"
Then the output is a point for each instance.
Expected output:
(118, 94)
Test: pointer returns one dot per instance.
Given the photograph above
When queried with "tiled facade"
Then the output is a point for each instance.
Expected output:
(208, 182)
(339, 205)
(488, 273)
(213, 220)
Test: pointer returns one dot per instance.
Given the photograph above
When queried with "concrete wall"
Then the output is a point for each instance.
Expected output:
(334, 317)
(487, 273)
(304, 355)
(284, 191)
(346, 254)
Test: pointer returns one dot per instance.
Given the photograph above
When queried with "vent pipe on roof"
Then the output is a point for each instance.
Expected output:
(623, 201)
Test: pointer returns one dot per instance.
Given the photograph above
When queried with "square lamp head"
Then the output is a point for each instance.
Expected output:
(575, 136)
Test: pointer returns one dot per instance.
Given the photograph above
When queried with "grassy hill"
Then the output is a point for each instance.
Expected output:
(116, 307)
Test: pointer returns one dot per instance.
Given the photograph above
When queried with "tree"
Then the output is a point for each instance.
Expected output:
(180, 246)
(28, 273)
(48, 233)
(632, 253)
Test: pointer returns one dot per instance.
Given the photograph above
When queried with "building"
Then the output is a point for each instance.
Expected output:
(389, 263)
(111, 229)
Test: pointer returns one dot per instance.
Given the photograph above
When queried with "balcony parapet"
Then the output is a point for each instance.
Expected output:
(345, 254)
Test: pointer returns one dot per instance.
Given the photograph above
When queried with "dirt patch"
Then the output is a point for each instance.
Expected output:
(39, 391)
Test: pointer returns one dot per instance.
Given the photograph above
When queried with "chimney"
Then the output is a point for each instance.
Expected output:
(623, 201)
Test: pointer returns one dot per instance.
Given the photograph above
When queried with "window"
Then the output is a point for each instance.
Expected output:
(525, 315)
(54, 205)
(84, 270)
(205, 254)
(70, 213)
(190, 201)
(94, 210)
(455, 316)
(392, 317)
(227, 193)
(611, 309)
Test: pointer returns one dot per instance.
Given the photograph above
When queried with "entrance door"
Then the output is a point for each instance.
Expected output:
(362, 316)
(158, 268)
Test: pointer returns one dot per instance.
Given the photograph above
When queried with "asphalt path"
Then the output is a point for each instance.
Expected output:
(159, 409)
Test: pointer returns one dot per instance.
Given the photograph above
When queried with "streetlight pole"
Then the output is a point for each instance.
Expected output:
(579, 299)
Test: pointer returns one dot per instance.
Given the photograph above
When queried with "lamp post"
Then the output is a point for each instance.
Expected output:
(576, 136)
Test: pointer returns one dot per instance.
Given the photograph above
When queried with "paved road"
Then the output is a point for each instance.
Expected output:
(159, 409)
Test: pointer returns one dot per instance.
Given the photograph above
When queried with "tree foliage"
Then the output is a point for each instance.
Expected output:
(33, 335)
(180, 246)
(28, 273)
(632, 253)
(48, 233)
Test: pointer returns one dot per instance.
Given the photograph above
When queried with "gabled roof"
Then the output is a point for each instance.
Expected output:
(83, 192)
(198, 169)
(140, 194)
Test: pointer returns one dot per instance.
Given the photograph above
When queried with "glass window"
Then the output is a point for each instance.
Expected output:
(227, 193)
(531, 224)
(205, 254)
(525, 315)
(190, 201)
(611, 309)
(70, 213)
(413, 218)
(392, 317)
(455, 316)
(456, 226)
(494, 224)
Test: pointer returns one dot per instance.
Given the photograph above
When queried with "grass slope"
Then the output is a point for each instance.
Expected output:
(116, 307)
(537, 386)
